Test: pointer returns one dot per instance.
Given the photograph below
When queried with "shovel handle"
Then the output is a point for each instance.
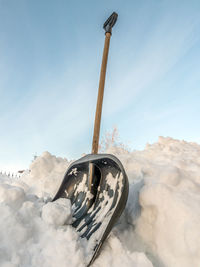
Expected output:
(95, 142)
(110, 22)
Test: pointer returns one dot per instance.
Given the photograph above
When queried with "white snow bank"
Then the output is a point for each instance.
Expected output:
(160, 225)
(31, 235)
(164, 201)
(45, 174)
(114, 254)
(57, 212)
(11, 195)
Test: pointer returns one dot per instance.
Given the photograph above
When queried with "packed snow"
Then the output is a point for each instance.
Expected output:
(159, 227)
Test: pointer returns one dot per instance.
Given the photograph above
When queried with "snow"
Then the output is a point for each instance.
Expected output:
(57, 212)
(159, 227)
(32, 236)
(45, 174)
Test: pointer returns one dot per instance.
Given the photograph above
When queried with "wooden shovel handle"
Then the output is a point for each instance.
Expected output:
(95, 142)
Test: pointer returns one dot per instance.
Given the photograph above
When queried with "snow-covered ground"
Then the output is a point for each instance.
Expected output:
(159, 227)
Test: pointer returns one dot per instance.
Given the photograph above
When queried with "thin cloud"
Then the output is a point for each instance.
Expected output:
(170, 39)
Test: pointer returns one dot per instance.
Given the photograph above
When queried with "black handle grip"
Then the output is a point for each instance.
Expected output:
(110, 22)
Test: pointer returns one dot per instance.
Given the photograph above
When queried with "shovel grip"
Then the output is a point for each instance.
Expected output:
(110, 22)
(95, 143)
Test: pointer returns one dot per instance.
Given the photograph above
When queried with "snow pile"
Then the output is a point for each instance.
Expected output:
(32, 232)
(45, 174)
(164, 201)
(57, 212)
(160, 225)
(115, 254)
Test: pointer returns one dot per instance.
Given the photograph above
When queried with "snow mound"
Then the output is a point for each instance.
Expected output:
(58, 212)
(45, 174)
(159, 227)
(11, 195)
(114, 254)
(31, 235)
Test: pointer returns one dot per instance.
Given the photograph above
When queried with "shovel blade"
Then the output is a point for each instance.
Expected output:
(96, 207)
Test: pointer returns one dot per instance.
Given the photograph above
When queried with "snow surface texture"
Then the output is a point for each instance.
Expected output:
(160, 225)
(45, 175)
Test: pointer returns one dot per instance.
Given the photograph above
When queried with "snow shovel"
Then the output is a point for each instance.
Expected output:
(96, 184)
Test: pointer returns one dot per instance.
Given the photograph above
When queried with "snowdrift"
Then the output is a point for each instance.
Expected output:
(159, 227)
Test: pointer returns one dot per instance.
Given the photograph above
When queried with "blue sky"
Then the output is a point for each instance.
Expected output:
(50, 62)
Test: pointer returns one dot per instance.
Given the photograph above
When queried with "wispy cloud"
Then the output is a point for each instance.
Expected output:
(173, 34)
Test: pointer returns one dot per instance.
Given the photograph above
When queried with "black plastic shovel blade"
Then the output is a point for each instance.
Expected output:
(94, 214)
